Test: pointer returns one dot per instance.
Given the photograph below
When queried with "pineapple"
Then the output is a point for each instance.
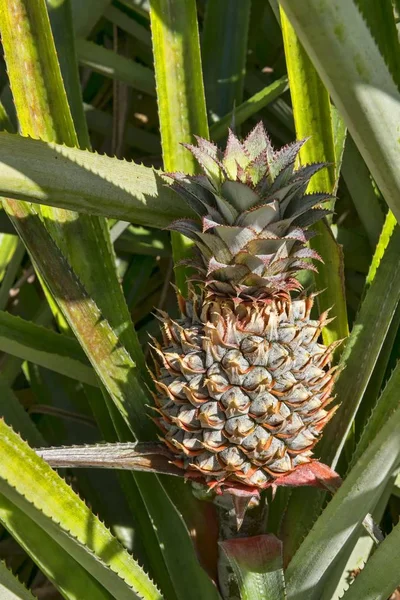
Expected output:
(243, 382)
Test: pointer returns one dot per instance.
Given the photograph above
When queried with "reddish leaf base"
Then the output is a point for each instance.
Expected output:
(314, 474)
(256, 554)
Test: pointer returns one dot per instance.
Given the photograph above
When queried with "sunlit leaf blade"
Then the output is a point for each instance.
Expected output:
(381, 575)
(66, 574)
(60, 14)
(340, 45)
(344, 513)
(10, 587)
(339, 131)
(257, 566)
(112, 362)
(249, 107)
(180, 97)
(86, 182)
(312, 115)
(380, 19)
(58, 510)
(44, 347)
(81, 240)
(8, 246)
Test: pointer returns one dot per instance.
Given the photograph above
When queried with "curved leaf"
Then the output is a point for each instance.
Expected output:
(249, 107)
(381, 575)
(109, 63)
(60, 512)
(10, 587)
(87, 182)
(340, 520)
(341, 47)
(66, 574)
(44, 347)
(312, 115)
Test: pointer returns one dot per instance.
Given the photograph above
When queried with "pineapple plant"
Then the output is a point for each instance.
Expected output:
(244, 384)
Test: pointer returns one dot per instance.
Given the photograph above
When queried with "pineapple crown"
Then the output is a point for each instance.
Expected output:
(254, 215)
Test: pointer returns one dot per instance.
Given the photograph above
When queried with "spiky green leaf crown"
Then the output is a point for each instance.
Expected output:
(254, 215)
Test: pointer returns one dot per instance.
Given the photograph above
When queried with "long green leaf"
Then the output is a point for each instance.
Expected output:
(10, 587)
(341, 47)
(109, 63)
(358, 359)
(122, 20)
(13, 413)
(388, 402)
(180, 91)
(180, 96)
(112, 362)
(61, 513)
(362, 348)
(249, 107)
(67, 575)
(381, 575)
(257, 565)
(224, 64)
(182, 113)
(356, 552)
(60, 14)
(86, 182)
(145, 528)
(381, 22)
(44, 347)
(82, 239)
(312, 115)
(345, 512)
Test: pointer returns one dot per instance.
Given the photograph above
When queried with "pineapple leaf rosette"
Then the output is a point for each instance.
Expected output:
(244, 383)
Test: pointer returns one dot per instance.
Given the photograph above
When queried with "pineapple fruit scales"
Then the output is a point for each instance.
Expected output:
(243, 381)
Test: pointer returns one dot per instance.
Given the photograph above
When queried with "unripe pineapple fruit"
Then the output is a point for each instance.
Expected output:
(243, 381)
